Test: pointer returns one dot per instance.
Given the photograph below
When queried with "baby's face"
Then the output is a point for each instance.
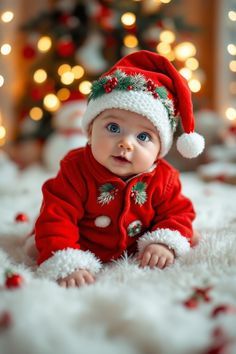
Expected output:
(124, 142)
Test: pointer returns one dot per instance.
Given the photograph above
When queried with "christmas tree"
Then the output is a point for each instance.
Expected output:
(74, 41)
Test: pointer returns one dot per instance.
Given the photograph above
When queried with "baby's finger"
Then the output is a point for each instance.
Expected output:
(145, 259)
(153, 261)
(169, 262)
(71, 283)
(62, 283)
(80, 281)
(89, 278)
(161, 262)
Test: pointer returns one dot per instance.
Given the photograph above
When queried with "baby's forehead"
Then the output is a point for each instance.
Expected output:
(125, 116)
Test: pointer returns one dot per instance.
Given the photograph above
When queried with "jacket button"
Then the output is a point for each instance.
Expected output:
(134, 228)
(102, 221)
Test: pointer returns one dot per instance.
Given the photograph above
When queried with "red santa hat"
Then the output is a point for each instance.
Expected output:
(148, 84)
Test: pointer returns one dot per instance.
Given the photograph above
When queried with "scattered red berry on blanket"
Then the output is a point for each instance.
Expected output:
(191, 303)
(21, 217)
(227, 309)
(13, 280)
(5, 320)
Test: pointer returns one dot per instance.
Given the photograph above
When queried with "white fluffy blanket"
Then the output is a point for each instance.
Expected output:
(128, 310)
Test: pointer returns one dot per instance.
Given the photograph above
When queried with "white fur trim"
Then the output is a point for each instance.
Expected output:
(134, 101)
(170, 238)
(102, 221)
(65, 262)
(190, 145)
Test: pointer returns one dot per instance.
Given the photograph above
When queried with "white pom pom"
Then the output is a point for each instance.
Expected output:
(102, 221)
(190, 145)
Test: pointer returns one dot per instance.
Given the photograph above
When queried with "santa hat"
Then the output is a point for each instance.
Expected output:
(148, 84)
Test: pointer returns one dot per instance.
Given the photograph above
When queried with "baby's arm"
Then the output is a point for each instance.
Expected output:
(78, 278)
(156, 255)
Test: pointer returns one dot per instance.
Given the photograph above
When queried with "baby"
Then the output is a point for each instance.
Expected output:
(117, 194)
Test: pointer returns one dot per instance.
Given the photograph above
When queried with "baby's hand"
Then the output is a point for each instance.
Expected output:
(77, 278)
(156, 255)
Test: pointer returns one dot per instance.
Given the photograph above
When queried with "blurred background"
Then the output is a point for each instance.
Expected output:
(51, 50)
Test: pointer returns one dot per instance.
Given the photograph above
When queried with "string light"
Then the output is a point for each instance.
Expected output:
(232, 15)
(44, 44)
(36, 113)
(163, 48)
(167, 36)
(2, 132)
(63, 68)
(63, 94)
(5, 49)
(165, 1)
(7, 16)
(192, 63)
(194, 85)
(231, 49)
(128, 19)
(232, 65)
(40, 76)
(67, 78)
(78, 71)
(130, 41)
(85, 87)
(186, 73)
(230, 113)
(51, 102)
(185, 50)
(1, 80)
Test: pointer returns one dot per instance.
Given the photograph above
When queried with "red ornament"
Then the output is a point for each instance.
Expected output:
(13, 280)
(28, 52)
(65, 47)
(21, 217)
(5, 320)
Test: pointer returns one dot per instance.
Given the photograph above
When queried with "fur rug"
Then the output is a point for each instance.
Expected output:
(128, 310)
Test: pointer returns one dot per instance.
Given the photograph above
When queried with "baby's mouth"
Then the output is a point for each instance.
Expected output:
(121, 159)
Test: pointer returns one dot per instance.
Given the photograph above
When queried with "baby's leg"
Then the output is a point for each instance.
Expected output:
(196, 238)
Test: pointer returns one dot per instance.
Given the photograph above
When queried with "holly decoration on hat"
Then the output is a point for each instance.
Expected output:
(119, 80)
(21, 217)
(199, 295)
(13, 280)
(107, 193)
(138, 192)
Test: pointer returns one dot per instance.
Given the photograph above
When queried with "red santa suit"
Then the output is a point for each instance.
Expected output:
(90, 216)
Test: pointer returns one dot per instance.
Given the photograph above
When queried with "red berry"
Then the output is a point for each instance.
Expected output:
(21, 217)
(5, 320)
(13, 280)
(155, 94)
(130, 87)
(191, 303)
(108, 89)
(229, 309)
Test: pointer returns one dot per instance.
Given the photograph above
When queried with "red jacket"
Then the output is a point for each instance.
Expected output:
(90, 215)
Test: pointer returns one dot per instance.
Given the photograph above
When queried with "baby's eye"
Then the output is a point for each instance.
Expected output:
(113, 128)
(144, 137)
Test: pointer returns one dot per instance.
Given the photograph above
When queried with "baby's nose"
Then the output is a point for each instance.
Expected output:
(125, 144)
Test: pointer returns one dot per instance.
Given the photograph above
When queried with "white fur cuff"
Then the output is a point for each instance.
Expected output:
(65, 262)
(170, 238)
